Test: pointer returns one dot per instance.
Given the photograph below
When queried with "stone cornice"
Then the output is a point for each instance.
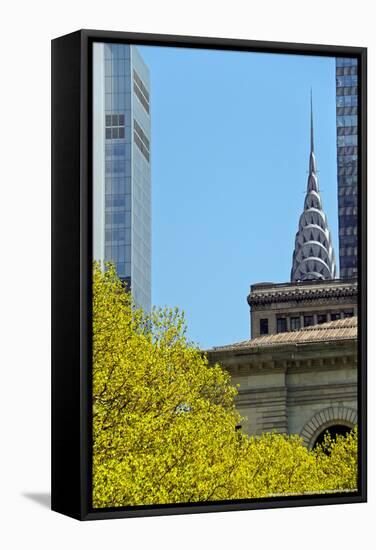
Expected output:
(301, 293)
(288, 358)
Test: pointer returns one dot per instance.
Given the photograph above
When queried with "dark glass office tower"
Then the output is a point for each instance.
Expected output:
(347, 164)
(121, 166)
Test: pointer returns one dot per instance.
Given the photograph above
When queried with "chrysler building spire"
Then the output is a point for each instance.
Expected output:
(313, 256)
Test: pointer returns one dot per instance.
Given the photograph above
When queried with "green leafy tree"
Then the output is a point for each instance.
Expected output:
(337, 462)
(164, 421)
(277, 464)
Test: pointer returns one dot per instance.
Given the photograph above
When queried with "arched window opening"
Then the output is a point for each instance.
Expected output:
(338, 429)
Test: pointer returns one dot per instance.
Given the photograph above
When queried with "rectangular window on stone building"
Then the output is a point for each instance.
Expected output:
(282, 324)
(349, 313)
(335, 316)
(295, 323)
(264, 326)
(308, 320)
(321, 318)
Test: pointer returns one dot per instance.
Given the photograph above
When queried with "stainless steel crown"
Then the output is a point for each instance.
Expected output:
(313, 256)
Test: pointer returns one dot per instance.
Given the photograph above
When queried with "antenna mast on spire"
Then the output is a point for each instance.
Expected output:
(312, 143)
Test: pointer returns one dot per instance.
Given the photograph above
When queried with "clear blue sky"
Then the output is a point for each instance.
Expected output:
(230, 146)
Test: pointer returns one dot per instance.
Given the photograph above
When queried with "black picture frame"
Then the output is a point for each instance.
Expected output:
(72, 272)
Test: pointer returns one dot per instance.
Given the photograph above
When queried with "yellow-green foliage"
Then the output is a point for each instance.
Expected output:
(164, 420)
(277, 464)
(337, 462)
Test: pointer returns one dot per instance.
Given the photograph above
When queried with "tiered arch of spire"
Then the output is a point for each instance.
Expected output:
(313, 256)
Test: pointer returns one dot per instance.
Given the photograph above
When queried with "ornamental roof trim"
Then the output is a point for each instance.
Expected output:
(339, 330)
(296, 291)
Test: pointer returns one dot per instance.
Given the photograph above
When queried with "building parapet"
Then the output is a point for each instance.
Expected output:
(264, 293)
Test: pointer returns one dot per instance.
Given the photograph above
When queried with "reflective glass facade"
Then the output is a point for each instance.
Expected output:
(121, 165)
(347, 164)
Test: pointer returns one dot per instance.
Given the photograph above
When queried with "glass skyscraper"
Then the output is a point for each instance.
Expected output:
(121, 166)
(347, 164)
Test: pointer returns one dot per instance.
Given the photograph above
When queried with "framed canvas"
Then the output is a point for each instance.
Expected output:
(208, 274)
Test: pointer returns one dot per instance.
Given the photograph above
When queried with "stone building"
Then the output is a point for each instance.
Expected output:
(286, 307)
(301, 382)
(298, 372)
